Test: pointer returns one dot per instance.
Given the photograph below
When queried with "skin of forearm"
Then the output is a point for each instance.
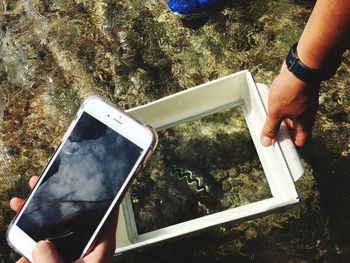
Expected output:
(326, 35)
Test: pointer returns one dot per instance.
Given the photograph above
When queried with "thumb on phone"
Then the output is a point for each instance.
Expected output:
(45, 252)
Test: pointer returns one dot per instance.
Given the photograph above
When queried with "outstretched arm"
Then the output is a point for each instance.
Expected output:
(323, 41)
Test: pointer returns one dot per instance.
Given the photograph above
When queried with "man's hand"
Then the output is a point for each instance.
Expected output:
(322, 43)
(293, 101)
(45, 251)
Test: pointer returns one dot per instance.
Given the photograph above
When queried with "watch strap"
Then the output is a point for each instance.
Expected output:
(305, 73)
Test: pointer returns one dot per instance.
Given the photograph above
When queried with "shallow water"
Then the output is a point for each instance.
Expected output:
(199, 168)
(55, 53)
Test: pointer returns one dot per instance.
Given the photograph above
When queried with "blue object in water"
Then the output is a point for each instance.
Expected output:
(191, 7)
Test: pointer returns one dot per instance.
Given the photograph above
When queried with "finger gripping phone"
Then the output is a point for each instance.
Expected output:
(84, 180)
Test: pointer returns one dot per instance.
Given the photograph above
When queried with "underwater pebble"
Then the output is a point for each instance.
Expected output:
(251, 233)
(219, 174)
(235, 183)
(226, 186)
(233, 172)
(245, 168)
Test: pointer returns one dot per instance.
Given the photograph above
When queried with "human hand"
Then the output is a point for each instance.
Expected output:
(293, 101)
(45, 251)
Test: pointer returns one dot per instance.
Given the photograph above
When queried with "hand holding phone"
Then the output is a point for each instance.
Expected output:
(102, 252)
(83, 182)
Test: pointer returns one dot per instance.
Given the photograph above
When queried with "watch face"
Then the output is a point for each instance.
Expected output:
(291, 58)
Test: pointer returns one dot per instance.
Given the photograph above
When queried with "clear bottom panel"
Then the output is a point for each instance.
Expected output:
(199, 168)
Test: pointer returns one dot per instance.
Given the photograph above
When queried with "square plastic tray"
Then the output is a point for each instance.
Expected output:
(280, 162)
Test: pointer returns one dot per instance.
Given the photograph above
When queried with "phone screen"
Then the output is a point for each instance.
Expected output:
(79, 187)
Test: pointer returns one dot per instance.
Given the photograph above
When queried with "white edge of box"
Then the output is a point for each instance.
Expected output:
(207, 99)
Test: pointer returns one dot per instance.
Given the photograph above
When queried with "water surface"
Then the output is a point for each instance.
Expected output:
(55, 53)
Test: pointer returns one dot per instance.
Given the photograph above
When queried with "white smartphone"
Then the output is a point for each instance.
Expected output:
(84, 180)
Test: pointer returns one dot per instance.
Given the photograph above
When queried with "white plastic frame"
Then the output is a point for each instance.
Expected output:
(280, 162)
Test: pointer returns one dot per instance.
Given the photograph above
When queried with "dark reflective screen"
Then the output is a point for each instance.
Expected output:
(79, 187)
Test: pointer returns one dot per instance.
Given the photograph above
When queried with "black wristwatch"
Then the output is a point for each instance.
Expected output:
(303, 72)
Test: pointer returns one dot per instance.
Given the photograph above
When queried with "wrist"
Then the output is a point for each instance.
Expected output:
(289, 77)
(285, 76)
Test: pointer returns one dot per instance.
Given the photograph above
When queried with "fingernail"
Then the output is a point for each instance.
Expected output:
(266, 141)
(298, 144)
